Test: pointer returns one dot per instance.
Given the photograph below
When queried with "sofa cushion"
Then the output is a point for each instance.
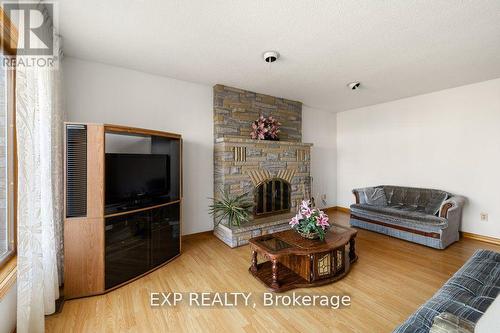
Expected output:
(408, 214)
(375, 196)
(428, 200)
(435, 201)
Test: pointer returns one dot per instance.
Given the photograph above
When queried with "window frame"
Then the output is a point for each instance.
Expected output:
(8, 40)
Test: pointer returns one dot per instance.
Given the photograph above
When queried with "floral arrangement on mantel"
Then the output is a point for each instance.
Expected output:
(310, 222)
(265, 128)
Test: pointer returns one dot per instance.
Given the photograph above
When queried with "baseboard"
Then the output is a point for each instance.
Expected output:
(486, 239)
(340, 209)
(198, 234)
(343, 209)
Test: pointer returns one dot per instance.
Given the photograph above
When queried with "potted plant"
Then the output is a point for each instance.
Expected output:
(310, 222)
(265, 128)
(234, 209)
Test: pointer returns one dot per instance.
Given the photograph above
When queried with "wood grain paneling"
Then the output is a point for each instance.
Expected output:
(84, 237)
(143, 209)
(139, 131)
(83, 257)
(8, 35)
(8, 276)
(299, 264)
(95, 171)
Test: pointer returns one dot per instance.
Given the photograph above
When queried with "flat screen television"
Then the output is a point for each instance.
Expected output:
(136, 180)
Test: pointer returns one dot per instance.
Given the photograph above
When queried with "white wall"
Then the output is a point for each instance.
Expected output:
(448, 140)
(319, 128)
(8, 306)
(101, 93)
(106, 94)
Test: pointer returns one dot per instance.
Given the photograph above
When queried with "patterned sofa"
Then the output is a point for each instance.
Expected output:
(425, 216)
(463, 299)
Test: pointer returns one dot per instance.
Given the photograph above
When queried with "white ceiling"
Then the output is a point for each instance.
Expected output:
(395, 48)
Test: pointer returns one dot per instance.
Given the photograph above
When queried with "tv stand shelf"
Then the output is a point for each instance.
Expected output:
(123, 205)
(125, 212)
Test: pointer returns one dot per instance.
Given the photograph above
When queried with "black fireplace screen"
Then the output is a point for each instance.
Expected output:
(272, 197)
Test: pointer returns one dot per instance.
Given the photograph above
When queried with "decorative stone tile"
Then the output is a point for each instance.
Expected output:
(272, 157)
(235, 109)
(240, 154)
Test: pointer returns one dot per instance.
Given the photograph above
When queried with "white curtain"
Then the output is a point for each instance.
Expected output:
(39, 147)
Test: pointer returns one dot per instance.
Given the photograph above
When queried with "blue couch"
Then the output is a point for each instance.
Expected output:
(425, 216)
(465, 296)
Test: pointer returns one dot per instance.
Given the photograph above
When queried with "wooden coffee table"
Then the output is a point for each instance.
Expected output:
(296, 262)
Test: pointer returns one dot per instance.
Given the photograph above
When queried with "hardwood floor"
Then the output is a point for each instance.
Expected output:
(389, 281)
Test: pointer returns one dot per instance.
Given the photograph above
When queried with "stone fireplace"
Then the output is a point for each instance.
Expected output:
(274, 175)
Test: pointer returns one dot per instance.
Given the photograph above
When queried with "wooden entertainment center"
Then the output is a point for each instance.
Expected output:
(108, 243)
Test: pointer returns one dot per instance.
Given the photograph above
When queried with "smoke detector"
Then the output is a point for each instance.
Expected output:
(270, 56)
(354, 85)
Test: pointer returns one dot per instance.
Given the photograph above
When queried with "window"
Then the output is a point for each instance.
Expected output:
(7, 218)
(8, 40)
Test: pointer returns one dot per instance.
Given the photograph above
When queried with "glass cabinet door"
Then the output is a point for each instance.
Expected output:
(127, 242)
(165, 234)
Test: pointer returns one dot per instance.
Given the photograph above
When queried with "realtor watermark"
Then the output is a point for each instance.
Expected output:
(241, 299)
(33, 23)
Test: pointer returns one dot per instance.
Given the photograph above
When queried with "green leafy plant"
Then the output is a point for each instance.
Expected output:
(234, 209)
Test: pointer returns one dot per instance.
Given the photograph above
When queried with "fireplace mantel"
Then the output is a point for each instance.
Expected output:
(239, 140)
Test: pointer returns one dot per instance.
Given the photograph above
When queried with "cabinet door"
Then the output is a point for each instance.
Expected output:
(165, 234)
(323, 265)
(127, 247)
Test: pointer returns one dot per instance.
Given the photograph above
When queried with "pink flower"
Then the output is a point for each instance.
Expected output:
(265, 128)
(322, 220)
(307, 212)
(294, 221)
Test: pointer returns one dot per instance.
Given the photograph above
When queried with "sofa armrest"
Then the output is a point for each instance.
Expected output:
(450, 323)
(356, 195)
(453, 203)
